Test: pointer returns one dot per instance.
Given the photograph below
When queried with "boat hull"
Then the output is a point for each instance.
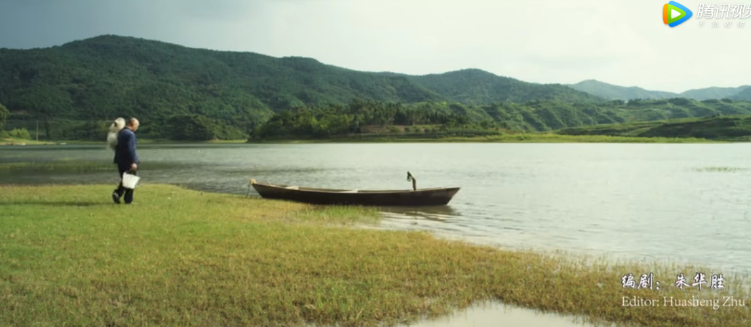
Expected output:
(423, 197)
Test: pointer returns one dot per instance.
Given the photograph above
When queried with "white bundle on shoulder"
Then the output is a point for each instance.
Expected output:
(116, 126)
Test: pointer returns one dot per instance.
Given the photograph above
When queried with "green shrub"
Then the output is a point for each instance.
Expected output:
(21, 133)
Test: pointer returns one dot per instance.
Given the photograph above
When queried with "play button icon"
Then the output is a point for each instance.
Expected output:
(673, 14)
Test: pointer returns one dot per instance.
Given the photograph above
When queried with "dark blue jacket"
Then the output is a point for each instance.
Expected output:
(125, 151)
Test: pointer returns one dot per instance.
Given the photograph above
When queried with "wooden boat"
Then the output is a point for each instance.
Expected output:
(414, 197)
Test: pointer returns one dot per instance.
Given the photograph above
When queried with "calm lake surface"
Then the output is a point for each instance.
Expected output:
(634, 201)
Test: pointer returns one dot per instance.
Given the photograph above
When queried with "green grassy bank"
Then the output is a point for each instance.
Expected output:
(12, 141)
(15, 141)
(68, 256)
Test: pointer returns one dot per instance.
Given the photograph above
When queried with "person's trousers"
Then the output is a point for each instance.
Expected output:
(128, 193)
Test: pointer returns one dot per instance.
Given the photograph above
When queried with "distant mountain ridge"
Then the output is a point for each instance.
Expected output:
(616, 92)
(745, 94)
(716, 93)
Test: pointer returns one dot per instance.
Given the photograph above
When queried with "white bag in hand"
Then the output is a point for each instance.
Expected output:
(130, 181)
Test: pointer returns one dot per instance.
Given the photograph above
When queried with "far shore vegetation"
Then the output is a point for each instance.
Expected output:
(392, 123)
(637, 121)
(183, 257)
(502, 138)
(387, 138)
(359, 120)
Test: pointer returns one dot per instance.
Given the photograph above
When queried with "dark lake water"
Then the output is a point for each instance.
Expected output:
(674, 202)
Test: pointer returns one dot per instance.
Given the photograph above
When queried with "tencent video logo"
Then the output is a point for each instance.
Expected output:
(674, 14)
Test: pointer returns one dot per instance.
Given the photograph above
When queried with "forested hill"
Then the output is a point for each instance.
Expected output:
(110, 76)
(474, 86)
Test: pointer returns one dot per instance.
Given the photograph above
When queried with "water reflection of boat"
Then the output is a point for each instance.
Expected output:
(439, 213)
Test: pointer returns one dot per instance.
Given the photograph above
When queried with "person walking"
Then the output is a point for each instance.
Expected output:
(126, 159)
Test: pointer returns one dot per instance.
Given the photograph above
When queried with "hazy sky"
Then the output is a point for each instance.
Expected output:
(542, 41)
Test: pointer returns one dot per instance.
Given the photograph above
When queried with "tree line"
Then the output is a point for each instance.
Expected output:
(359, 116)
(533, 116)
